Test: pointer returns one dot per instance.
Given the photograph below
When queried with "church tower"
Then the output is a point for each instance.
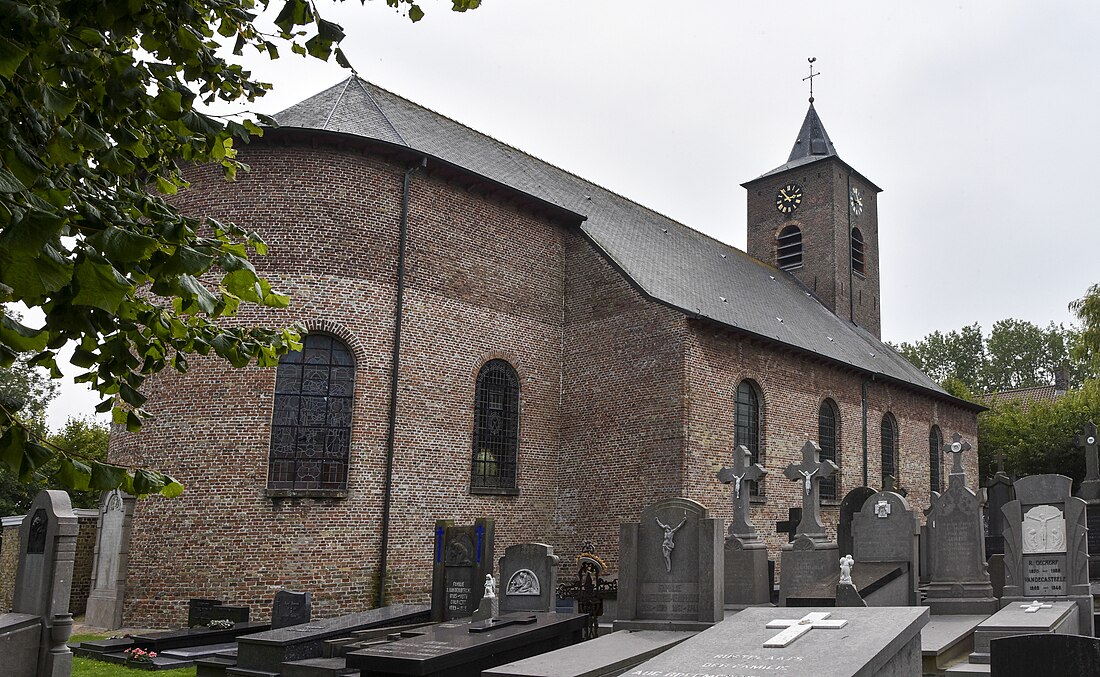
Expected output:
(816, 218)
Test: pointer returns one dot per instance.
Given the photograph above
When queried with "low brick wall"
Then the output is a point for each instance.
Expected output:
(82, 567)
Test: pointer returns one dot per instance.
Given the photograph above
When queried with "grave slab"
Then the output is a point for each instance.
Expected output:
(1045, 656)
(946, 640)
(871, 642)
(608, 655)
(1024, 619)
(465, 648)
(185, 637)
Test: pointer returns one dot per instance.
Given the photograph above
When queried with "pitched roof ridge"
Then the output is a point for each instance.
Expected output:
(385, 117)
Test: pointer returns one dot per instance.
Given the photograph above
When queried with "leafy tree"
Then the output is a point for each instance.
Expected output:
(1087, 309)
(28, 391)
(97, 110)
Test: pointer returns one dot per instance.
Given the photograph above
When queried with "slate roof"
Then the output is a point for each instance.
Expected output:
(1024, 396)
(668, 261)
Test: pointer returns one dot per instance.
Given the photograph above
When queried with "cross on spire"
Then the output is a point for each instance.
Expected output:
(811, 77)
(743, 471)
(1086, 441)
(809, 474)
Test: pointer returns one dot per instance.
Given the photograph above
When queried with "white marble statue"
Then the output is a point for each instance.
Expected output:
(846, 563)
(490, 586)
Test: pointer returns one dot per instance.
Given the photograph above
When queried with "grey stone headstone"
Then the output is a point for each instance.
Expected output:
(746, 556)
(528, 578)
(671, 568)
(110, 560)
(1046, 545)
(291, 608)
(43, 580)
(887, 530)
(851, 504)
(806, 566)
(999, 492)
(463, 555)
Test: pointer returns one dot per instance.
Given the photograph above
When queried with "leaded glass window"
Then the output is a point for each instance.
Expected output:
(496, 427)
(747, 425)
(311, 423)
(890, 448)
(827, 439)
(935, 468)
(788, 249)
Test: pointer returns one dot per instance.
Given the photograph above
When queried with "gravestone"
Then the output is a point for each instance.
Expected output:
(999, 492)
(1045, 656)
(590, 589)
(112, 547)
(291, 608)
(958, 578)
(1046, 547)
(811, 558)
(463, 557)
(528, 578)
(887, 530)
(1089, 492)
(40, 623)
(838, 642)
(201, 611)
(670, 568)
(851, 504)
(747, 581)
(1023, 619)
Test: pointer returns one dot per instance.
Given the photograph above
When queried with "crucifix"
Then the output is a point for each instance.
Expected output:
(1035, 606)
(743, 470)
(1000, 458)
(809, 474)
(811, 77)
(955, 448)
(1086, 441)
(797, 628)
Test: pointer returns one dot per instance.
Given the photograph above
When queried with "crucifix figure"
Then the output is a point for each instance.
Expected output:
(1086, 441)
(955, 447)
(1035, 606)
(810, 472)
(797, 628)
(743, 470)
(667, 545)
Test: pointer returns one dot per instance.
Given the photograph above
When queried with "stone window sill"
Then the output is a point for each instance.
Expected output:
(306, 493)
(495, 491)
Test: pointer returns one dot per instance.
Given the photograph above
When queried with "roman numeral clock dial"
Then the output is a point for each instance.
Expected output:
(788, 198)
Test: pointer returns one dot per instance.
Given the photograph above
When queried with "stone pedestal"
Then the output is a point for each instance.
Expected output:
(747, 580)
(805, 565)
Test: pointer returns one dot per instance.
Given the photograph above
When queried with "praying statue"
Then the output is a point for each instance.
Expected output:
(846, 563)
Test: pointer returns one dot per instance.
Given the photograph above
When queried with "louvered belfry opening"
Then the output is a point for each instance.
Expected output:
(788, 251)
(311, 421)
(496, 427)
(858, 256)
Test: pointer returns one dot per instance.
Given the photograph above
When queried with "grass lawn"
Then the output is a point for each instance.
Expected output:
(86, 667)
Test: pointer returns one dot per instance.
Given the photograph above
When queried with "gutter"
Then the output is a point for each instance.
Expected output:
(395, 364)
(863, 405)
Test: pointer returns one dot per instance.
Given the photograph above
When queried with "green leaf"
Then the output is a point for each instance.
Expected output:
(58, 102)
(8, 182)
(195, 290)
(131, 396)
(32, 232)
(19, 337)
(172, 488)
(106, 476)
(122, 245)
(74, 474)
(11, 55)
(34, 457)
(147, 482)
(415, 13)
(11, 447)
(100, 286)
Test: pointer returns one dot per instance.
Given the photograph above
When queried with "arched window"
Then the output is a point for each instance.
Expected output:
(829, 441)
(747, 424)
(858, 252)
(496, 427)
(890, 448)
(935, 468)
(311, 422)
(788, 250)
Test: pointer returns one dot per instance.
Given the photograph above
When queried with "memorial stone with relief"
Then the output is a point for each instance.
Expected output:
(528, 578)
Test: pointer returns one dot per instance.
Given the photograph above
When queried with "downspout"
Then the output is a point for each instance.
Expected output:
(863, 400)
(395, 362)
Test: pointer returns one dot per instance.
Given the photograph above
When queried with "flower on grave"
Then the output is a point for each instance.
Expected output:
(138, 655)
(220, 624)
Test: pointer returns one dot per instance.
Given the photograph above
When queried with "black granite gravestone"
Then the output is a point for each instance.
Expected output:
(1045, 655)
(198, 611)
(851, 504)
(999, 492)
(291, 608)
(463, 557)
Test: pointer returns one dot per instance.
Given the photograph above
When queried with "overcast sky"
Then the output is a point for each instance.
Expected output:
(978, 119)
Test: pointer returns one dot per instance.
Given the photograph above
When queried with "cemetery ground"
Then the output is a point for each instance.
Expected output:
(87, 667)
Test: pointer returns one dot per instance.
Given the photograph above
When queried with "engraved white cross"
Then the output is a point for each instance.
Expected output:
(797, 628)
(1034, 607)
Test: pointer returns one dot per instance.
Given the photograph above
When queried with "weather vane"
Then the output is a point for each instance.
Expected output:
(811, 77)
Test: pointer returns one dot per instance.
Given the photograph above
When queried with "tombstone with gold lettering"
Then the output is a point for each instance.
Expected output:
(1046, 546)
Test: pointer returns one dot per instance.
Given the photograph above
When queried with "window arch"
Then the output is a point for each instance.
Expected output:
(496, 427)
(311, 420)
(788, 250)
(858, 255)
(890, 449)
(828, 438)
(935, 468)
(747, 424)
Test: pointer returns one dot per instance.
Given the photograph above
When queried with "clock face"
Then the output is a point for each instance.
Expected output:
(856, 201)
(788, 198)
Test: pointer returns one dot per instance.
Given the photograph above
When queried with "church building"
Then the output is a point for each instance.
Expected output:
(490, 335)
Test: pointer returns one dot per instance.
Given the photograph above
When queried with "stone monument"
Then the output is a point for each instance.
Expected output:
(528, 578)
(746, 556)
(850, 506)
(959, 582)
(112, 547)
(999, 492)
(887, 530)
(1046, 546)
(670, 568)
(291, 608)
(39, 625)
(811, 558)
(463, 557)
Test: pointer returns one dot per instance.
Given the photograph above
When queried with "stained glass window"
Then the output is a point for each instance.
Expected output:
(827, 439)
(496, 427)
(747, 425)
(890, 448)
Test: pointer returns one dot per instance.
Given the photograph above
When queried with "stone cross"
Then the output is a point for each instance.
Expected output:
(797, 628)
(1000, 456)
(1090, 486)
(789, 526)
(809, 474)
(1034, 607)
(955, 447)
(741, 472)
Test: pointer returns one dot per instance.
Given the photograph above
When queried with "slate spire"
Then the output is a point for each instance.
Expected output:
(813, 140)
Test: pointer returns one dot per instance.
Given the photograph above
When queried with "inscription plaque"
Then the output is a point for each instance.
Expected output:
(1044, 575)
